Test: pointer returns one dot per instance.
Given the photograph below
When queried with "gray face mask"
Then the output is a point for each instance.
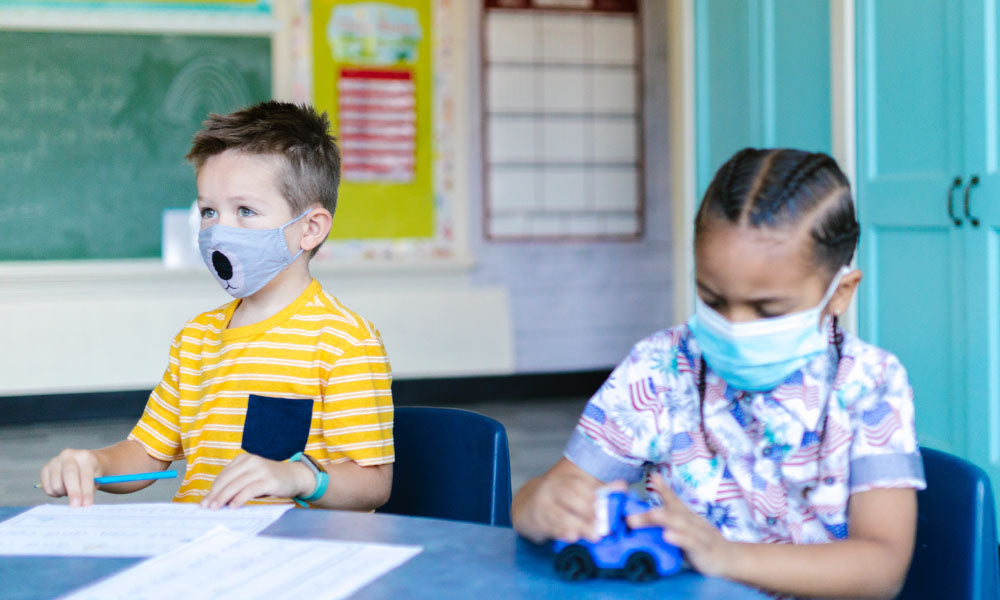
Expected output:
(245, 260)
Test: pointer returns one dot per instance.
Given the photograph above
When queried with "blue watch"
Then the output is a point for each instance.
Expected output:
(322, 479)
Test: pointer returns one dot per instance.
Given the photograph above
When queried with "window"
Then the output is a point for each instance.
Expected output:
(563, 120)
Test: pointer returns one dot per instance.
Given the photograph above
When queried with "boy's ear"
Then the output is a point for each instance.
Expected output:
(846, 289)
(316, 228)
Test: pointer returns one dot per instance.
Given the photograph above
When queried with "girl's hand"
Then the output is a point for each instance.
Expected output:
(72, 474)
(559, 504)
(249, 476)
(703, 545)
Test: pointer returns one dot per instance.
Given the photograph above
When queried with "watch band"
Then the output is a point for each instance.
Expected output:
(322, 479)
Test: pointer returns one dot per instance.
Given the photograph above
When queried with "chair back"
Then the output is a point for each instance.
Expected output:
(450, 464)
(955, 555)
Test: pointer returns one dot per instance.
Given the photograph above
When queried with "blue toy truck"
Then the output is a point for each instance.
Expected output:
(635, 554)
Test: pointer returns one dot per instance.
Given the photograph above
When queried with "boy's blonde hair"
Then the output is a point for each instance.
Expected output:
(296, 135)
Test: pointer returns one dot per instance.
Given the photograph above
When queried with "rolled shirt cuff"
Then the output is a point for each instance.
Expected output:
(887, 471)
(587, 454)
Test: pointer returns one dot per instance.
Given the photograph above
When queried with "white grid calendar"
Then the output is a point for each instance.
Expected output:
(563, 125)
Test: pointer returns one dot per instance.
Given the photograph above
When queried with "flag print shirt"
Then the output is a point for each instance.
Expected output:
(775, 466)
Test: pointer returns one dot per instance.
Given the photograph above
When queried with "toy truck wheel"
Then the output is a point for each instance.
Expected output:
(640, 566)
(574, 563)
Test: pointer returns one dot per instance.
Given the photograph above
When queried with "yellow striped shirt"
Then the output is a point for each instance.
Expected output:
(314, 350)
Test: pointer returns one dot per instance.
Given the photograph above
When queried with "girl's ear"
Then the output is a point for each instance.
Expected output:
(316, 228)
(846, 289)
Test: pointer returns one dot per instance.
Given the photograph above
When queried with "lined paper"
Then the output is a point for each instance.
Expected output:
(226, 564)
(123, 530)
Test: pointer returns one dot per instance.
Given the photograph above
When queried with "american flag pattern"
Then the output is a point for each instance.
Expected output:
(377, 116)
(766, 466)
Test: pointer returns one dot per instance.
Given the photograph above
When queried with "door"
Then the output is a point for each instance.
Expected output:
(762, 78)
(982, 234)
(910, 150)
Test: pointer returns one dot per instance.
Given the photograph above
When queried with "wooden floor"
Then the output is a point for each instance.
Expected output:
(537, 431)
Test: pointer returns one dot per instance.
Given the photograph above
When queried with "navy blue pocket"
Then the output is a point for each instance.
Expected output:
(276, 428)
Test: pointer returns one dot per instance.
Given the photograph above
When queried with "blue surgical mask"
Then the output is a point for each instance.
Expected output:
(245, 260)
(759, 355)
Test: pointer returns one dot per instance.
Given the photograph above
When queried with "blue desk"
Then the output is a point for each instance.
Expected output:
(460, 560)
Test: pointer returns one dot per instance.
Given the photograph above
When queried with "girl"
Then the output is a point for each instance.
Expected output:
(782, 448)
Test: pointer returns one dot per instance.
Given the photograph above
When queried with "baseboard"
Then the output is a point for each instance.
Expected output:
(528, 386)
(405, 392)
(72, 406)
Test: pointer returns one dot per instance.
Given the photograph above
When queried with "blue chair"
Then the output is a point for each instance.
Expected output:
(450, 464)
(956, 549)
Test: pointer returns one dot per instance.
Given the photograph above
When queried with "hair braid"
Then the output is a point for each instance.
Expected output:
(727, 192)
(775, 200)
(732, 167)
(807, 167)
(701, 403)
(782, 188)
(851, 235)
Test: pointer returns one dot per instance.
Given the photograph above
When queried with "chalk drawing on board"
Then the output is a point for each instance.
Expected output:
(202, 85)
(204, 81)
(91, 151)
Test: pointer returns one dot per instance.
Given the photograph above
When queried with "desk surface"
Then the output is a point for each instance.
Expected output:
(461, 560)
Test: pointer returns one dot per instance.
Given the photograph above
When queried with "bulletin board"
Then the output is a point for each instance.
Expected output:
(373, 75)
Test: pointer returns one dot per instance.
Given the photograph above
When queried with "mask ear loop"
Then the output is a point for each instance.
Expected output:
(828, 296)
(281, 230)
(834, 286)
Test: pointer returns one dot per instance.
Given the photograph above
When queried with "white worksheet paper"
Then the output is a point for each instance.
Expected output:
(122, 529)
(225, 564)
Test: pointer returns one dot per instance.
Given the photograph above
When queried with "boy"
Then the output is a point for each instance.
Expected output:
(283, 393)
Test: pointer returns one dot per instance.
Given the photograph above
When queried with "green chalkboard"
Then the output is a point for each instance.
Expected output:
(94, 129)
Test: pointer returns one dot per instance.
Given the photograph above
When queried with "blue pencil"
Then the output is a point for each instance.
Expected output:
(170, 474)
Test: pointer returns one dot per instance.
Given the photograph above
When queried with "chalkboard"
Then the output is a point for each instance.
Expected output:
(94, 129)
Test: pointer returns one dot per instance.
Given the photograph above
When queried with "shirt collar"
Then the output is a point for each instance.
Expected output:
(803, 395)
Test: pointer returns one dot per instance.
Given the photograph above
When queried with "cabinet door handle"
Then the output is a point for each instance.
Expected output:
(957, 183)
(972, 183)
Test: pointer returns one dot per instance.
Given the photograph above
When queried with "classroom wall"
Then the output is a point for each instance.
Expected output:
(582, 305)
(496, 308)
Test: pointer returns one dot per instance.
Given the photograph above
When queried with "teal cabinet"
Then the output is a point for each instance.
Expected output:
(981, 224)
(927, 181)
(762, 78)
(928, 190)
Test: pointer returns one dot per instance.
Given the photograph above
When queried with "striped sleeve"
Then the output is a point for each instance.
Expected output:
(357, 406)
(159, 430)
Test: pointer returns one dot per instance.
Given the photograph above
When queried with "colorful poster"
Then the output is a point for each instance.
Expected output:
(372, 75)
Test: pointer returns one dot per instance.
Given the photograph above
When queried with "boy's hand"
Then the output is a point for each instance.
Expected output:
(559, 504)
(703, 545)
(249, 476)
(72, 474)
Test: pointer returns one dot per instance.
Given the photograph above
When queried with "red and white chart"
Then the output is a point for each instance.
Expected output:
(378, 124)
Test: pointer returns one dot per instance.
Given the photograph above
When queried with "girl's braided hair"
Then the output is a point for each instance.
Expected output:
(776, 188)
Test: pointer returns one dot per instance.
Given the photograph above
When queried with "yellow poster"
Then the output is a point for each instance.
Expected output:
(372, 75)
